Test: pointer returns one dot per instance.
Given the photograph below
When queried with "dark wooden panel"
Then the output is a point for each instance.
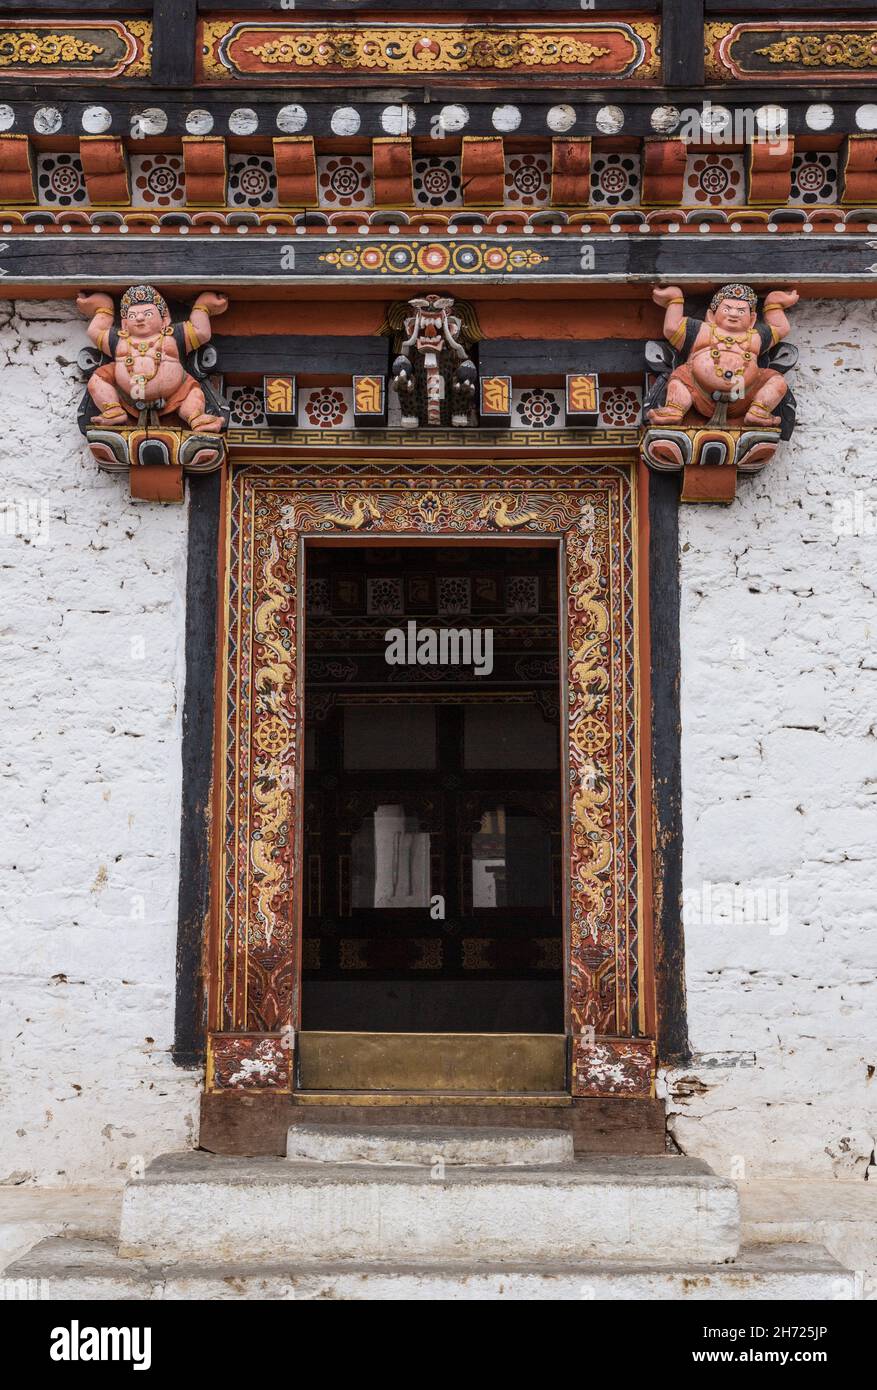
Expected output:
(227, 260)
(667, 766)
(173, 42)
(300, 355)
(789, 9)
(682, 54)
(550, 356)
(197, 758)
(407, 9)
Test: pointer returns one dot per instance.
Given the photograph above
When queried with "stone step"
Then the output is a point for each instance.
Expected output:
(201, 1207)
(428, 1146)
(91, 1271)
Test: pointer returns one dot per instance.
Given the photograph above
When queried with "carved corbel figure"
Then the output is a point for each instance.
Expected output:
(433, 348)
(149, 403)
(721, 399)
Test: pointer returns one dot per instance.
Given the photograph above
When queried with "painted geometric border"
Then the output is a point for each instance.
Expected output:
(591, 512)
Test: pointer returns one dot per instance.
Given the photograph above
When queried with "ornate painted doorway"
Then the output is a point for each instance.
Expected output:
(268, 886)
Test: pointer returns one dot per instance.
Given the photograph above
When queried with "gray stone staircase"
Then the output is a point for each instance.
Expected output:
(415, 1212)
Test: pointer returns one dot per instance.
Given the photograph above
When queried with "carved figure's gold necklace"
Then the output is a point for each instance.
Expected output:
(727, 341)
(151, 347)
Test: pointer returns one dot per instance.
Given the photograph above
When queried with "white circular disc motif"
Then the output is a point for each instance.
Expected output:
(152, 121)
(96, 119)
(506, 118)
(243, 121)
(560, 119)
(291, 119)
(610, 119)
(47, 121)
(819, 116)
(199, 123)
(664, 119)
(453, 118)
(771, 120)
(345, 121)
(866, 117)
(397, 120)
(7, 117)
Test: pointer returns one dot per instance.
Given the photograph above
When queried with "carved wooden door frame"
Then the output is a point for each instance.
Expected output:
(591, 512)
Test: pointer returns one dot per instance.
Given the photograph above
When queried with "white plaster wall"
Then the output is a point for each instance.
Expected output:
(779, 705)
(779, 748)
(92, 609)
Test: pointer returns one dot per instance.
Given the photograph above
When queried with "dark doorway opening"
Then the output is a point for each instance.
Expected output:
(432, 842)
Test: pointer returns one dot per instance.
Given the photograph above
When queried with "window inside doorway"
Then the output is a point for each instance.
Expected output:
(432, 793)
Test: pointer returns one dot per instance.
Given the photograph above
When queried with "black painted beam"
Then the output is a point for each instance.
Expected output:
(279, 261)
(315, 10)
(789, 9)
(301, 355)
(553, 356)
(682, 55)
(124, 99)
(666, 826)
(197, 759)
(173, 42)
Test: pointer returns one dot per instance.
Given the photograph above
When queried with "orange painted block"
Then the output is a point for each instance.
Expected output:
(770, 171)
(206, 170)
(570, 172)
(393, 169)
(156, 482)
(709, 483)
(106, 170)
(663, 171)
(296, 163)
(860, 170)
(483, 171)
(16, 170)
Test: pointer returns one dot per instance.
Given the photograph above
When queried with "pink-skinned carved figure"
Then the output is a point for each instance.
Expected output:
(723, 356)
(148, 351)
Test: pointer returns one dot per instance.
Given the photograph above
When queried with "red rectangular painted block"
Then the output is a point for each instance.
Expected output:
(613, 1067)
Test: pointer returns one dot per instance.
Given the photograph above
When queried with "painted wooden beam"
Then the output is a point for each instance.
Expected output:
(552, 357)
(405, 9)
(227, 260)
(682, 42)
(667, 766)
(197, 765)
(296, 356)
(173, 42)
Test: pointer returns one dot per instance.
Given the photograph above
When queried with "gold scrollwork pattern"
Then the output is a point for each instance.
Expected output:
(250, 48)
(446, 50)
(850, 50)
(30, 47)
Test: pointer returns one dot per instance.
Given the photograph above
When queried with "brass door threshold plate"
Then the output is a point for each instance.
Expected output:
(480, 1064)
(555, 1100)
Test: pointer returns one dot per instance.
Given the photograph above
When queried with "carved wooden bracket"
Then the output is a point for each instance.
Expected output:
(718, 402)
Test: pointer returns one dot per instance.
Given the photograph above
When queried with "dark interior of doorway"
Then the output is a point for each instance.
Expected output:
(432, 886)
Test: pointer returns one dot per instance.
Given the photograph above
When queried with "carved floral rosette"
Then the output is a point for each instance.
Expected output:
(591, 515)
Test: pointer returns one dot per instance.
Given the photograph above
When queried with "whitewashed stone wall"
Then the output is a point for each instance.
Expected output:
(93, 602)
(779, 697)
(779, 751)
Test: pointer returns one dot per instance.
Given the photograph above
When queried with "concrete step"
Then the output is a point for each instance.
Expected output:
(91, 1271)
(428, 1146)
(202, 1207)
